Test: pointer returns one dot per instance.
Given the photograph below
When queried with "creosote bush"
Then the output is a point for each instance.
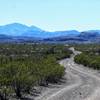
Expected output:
(90, 55)
(24, 66)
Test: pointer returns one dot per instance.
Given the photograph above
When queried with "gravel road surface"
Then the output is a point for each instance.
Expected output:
(81, 83)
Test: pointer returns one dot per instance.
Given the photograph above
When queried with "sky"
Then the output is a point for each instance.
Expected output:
(52, 15)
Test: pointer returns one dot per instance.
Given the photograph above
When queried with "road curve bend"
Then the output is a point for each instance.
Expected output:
(86, 85)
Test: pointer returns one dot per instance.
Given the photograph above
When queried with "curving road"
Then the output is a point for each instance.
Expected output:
(84, 84)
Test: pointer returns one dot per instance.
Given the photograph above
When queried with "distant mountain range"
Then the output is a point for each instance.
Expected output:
(17, 29)
(17, 32)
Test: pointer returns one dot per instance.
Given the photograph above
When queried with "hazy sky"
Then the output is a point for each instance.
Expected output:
(52, 15)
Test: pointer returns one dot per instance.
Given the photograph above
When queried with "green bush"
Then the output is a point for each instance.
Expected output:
(91, 61)
(23, 66)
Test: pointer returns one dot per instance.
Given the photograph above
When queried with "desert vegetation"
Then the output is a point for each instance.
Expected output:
(90, 55)
(24, 66)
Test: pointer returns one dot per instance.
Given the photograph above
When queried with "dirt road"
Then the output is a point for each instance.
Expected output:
(81, 83)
